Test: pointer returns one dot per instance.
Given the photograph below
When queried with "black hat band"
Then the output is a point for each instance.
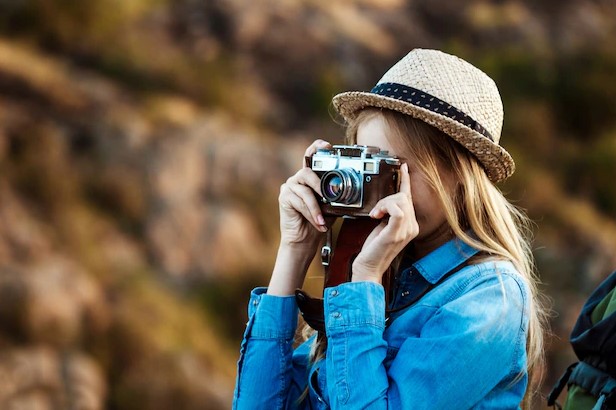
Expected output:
(429, 102)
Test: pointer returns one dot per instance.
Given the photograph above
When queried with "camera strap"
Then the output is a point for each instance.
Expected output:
(353, 233)
(337, 264)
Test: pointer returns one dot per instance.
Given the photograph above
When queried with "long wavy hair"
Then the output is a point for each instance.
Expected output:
(501, 230)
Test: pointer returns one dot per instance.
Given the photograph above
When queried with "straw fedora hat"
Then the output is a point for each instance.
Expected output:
(447, 93)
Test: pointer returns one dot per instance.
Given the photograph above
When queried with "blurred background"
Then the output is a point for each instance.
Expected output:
(143, 143)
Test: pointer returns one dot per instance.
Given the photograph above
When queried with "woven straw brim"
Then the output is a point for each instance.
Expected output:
(496, 161)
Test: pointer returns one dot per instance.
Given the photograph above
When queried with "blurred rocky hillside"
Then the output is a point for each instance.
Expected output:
(142, 145)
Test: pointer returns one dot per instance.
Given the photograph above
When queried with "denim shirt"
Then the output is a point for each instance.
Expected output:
(462, 345)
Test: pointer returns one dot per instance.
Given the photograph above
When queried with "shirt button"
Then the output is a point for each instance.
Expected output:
(405, 293)
(336, 315)
(333, 293)
(255, 302)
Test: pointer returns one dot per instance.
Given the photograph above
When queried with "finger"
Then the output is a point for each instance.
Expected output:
(300, 206)
(290, 201)
(387, 208)
(395, 227)
(312, 149)
(385, 205)
(296, 187)
(308, 177)
(401, 217)
(405, 179)
(316, 145)
(307, 196)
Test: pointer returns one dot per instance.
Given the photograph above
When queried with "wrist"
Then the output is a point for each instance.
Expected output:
(290, 269)
(363, 273)
(366, 278)
(307, 245)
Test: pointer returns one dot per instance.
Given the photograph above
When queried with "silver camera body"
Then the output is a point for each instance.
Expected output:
(354, 178)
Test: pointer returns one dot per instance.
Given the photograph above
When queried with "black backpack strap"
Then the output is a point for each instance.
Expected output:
(560, 385)
(610, 400)
(595, 382)
(597, 340)
(595, 346)
(607, 400)
(589, 378)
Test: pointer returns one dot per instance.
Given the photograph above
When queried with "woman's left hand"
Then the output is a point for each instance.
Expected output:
(391, 236)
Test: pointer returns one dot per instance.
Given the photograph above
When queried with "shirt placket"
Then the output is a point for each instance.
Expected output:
(410, 285)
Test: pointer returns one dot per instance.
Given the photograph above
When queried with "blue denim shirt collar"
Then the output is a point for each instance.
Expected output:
(428, 271)
(443, 259)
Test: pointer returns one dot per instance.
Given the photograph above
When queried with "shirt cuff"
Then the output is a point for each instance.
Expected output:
(354, 304)
(274, 317)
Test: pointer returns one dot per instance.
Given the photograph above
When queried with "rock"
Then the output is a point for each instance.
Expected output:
(179, 381)
(40, 378)
(51, 302)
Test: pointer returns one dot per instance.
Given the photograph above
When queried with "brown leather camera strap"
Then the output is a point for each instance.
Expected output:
(353, 233)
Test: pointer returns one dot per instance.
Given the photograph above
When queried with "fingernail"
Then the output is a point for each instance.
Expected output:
(373, 212)
(320, 220)
(405, 167)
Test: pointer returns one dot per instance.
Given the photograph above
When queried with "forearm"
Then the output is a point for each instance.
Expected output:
(290, 269)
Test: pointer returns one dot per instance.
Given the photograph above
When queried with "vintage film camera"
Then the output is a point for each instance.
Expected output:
(354, 178)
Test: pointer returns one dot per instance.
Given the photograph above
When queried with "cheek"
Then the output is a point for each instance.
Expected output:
(420, 196)
(425, 201)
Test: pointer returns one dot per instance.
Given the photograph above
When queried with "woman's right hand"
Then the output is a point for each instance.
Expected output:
(302, 226)
(301, 222)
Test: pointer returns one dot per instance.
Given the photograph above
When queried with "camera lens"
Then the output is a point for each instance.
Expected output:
(333, 188)
(341, 185)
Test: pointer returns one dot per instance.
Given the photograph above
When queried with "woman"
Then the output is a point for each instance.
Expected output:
(463, 326)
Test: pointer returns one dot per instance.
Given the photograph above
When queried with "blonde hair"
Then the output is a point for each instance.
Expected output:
(500, 229)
